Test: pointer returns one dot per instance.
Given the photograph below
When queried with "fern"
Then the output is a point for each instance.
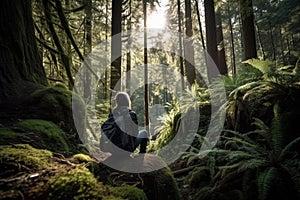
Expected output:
(289, 147)
(265, 66)
(264, 182)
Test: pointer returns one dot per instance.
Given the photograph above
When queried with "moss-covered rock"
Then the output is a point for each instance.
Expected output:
(76, 184)
(161, 184)
(45, 134)
(14, 158)
(157, 184)
(207, 193)
(8, 136)
(54, 103)
(199, 177)
(128, 192)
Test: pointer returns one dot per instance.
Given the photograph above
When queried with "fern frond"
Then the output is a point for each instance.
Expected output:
(251, 164)
(242, 88)
(265, 66)
(232, 166)
(255, 90)
(239, 155)
(277, 133)
(288, 147)
(264, 182)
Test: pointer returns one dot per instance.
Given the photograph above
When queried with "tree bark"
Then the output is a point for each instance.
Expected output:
(180, 44)
(146, 85)
(64, 58)
(188, 46)
(211, 35)
(20, 61)
(88, 45)
(128, 55)
(233, 64)
(116, 47)
(248, 29)
(220, 45)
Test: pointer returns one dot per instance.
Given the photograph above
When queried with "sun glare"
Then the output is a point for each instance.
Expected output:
(157, 18)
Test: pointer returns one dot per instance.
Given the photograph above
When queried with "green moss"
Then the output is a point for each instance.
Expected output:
(76, 184)
(128, 192)
(206, 193)
(82, 158)
(7, 136)
(56, 102)
(110, 197)
(161, 184)
(51, 136)
(14, 156)
(199, 177)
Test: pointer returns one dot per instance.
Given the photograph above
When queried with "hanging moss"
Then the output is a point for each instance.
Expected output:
(128, 192)
(48, 135)
(23, 157)
(76, 184)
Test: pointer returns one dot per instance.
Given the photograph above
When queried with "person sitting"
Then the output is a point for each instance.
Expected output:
(121, 127)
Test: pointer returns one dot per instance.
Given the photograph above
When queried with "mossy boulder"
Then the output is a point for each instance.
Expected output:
(44, 134)
(158, 181)
(78, 183)
(8, 136)
(160, 184)
(128, 192)
(54, 103)
(207, 193)
(199, 177)
(23, 157)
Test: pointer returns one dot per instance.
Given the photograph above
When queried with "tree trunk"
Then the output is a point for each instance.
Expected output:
(199, 23)
(233, 64)
(211, 35)
(146, 85)
(88, 45)
(188, 46)
(260, 42)
(20, 61)
(116, 45)
(180, 45)
(248, 30)
(220, 44)
(128, 55)
(64, 58)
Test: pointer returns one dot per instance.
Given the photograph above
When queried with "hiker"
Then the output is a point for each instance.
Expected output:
(121, 128)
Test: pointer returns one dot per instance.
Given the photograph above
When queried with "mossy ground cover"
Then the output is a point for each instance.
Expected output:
(50, 135)
(31, 173)
(23, 157)
(38, 133)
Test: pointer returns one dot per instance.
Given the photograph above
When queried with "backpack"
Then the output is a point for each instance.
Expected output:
(114, 132)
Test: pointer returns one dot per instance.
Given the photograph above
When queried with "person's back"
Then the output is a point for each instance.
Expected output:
(121, 128)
